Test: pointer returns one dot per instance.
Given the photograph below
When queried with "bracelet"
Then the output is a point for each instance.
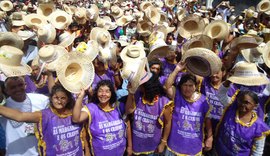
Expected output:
(116, 74)
(162, 140)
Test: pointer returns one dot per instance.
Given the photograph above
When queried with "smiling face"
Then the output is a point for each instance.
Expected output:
(59, 100)
(188, 88)
(104, 94)
(15, 88)
(246, 104)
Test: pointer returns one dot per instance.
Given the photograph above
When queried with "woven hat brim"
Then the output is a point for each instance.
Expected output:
(11, 71)
(88, 68)
(249, 81)
(67, 42)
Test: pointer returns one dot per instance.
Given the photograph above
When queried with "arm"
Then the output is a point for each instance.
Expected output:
(79, 116)
(169, 83)
(129, 138)
(51, 81)
(258, 147)
(209, 136)
(31, 117)
(130, 104)
(222, 93)
(167, 128)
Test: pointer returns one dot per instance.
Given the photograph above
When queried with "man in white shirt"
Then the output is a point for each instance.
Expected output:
(20, 138)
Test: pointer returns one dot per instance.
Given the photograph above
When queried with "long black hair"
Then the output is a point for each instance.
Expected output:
(109, 84)
(152, 88)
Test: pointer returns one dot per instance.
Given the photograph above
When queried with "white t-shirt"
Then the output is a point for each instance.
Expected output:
(20, 139)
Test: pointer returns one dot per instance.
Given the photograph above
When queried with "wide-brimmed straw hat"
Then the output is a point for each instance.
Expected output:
(6, 5)
(247, 74)
(92, 13)
(170, 3)
(202, 62)
(144, 28)
(50, 54)
(80, 16)
(17, 19)
(157, 45)
(69, 9)
(66, 39)
(116, 12)
(152, 14)
(11, 62)
(217, 30)
(26, 34)
(75, 72)
(123, 40)
(90, 49)
(132, 53)
(200, 41)
(144, 5)
(106, 23)
(35, 20)
(263, 6)
(11, 39)
(181, 13)
(191, 25)
(135, 73)
(46, 9)
(124, 20)
(254, 34)
(243, 42)
(60, 19)
(46, 33)
(266, 54)
(102, 36)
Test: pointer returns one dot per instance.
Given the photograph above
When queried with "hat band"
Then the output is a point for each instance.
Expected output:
(247, 74)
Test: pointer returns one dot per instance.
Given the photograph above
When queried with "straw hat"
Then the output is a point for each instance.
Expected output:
(202, 62)
(144, 28)
(266, 54)
(144, 5)
(69, 9)
(157, 45)
(66, 39)
(11, 39)
(247, 74)
(50, 54)
(46, 33)
(102, 36)
(75, 72)
(132, 53)
(80, 16)
(46, 9)
(106, 5)
(10, 62)
(135, 73)
(60, 19)
(90, 49)
(181, 13)
(123, 40)
(191, 25)
(254, 34)
(6, 5)
(170, 3)
(152, 14)
(116, 12)
(26, 34)
(263, 6)
(217, 30)
(200, 41)
(124, 20)
(17, 19)
(243, 42)
(254, 55)
(3, 15)
(35, 20)
(250, 12)
(106, 23)
(92, 13)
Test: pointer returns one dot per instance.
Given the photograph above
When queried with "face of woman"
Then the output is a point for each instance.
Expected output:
(188, 88)
(59, 100)
(246, 104)
(217, 77)
(104, 94)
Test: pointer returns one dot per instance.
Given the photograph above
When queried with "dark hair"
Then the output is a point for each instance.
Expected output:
(109, 84)
(59, 88)
(187, 77)
(157, 61)
(152, 88)
(170, 35)
(253, 95)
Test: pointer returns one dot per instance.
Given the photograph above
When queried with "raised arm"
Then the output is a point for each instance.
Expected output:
(169, 83)
(130, 103)
(78, 115)
(13, 114)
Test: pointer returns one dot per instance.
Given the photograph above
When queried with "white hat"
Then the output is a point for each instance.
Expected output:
(17, 19)
(90, 49)
(66, 39)
(6, 5)
(46, 9)
(116, 12)
(92, 13)
(123, 40)
(35, 20)
(46, 33)
(60, 19)
(26, 34)
(217, 30)
(102, 36)
(152, 14)
(132, 53)
(157, 45)
(11, 39)
(10, 62)
(75, 72)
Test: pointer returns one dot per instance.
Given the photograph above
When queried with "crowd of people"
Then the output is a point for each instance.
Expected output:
(134, 77)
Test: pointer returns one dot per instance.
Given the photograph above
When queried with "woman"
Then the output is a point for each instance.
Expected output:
(241, 132)
(56, 133)
(106, 128)
(189, 118)
(152, 116)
